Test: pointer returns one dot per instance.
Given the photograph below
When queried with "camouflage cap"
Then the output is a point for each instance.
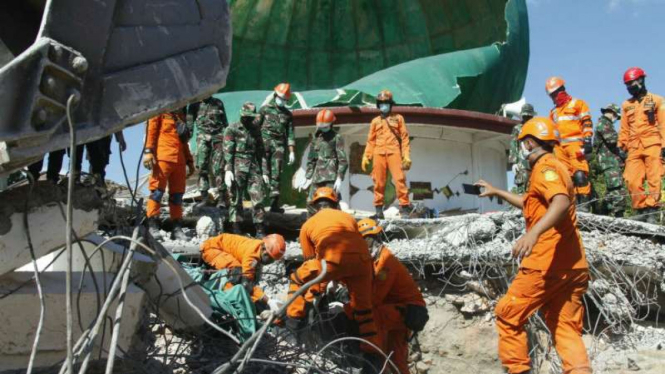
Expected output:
(612, 108)
(248, 110)
(527, 110)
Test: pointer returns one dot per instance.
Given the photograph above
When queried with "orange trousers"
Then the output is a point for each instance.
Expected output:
(393, 335)
(355, 272)
(381, 164)
(644, 163)
(221, 260)
(558, 295)
(570, 154)
(173, 174)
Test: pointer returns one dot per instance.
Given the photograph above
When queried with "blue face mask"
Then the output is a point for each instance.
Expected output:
(280, 103)
(324, 127)
(384, 108)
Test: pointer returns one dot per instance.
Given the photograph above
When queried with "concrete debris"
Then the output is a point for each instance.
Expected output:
(469, 303)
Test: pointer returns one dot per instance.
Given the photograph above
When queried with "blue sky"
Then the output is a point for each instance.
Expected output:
(589, 43)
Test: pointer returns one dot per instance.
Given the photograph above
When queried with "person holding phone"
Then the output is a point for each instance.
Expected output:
(553, 274)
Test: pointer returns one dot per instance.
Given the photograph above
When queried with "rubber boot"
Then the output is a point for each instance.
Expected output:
(177, 233)
(153, 229)
(235, 228)
(260, 231)
(204, 200)
(583, 203)
(274, 205)
(619, 214)
(379, 212)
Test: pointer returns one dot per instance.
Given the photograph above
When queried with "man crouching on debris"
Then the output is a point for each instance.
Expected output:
(243, 257)
(332, 235)
(399, 307)
(553, 274)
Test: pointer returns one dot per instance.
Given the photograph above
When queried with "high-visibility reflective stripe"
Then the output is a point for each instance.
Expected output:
(585, 114)
(571, 140)
(568, 118)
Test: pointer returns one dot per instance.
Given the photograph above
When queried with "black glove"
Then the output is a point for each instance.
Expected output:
(294, 324)
(247, 284)
(234, 275)
(662, 153)
(588, 147)
(623, 155)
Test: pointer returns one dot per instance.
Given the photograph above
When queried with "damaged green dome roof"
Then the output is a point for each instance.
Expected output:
(465, 54)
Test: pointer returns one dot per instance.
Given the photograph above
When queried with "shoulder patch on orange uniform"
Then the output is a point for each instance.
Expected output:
(550, 175)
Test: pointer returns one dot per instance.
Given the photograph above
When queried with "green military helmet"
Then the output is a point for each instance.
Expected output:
(612, 108)
(248, 110)
(527, 111)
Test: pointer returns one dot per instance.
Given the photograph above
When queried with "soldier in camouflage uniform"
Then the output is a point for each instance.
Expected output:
(611, 159)
(326, 162)
(244, 166)
(210, 123)
(520, 166)
(277, 131)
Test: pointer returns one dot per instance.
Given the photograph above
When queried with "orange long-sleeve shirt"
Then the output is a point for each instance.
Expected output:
(573, 120)
(559, 248)
(635, 127)
(163, 140)
(246, 250)
(383, 136)
(329, 234)
(392, 282)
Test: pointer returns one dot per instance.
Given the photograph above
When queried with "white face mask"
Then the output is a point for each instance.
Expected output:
(384, 108)
(280, 103)
(525, 152)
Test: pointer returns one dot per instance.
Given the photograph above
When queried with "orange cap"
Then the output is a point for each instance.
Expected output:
(275, 246)
(368, 226)
(324, 193)
(283, 90)
(541, 128)
(553, 84)
(385, 95)
(325, 116)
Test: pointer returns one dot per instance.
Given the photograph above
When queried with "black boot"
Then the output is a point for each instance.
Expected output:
(235, 228)
(619, 214)
(379, 212)
(405, 211)
(204, 200)
(583, 204)
(260, 231)
(652, 215)
(274, 205)
(177, 233)
(153, 229)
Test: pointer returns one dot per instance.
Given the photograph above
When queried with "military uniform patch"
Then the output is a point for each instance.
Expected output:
(550, 175)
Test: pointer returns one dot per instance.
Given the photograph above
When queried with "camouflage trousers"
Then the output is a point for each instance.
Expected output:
(247, 180)
(521, 179)
(614, 199)
(210, 162)
(312, 189)
(275, 151)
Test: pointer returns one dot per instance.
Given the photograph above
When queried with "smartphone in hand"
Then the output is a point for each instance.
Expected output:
(471, 189)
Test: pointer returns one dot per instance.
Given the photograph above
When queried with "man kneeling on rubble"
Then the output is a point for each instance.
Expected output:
(399, 307)
(332, 235)
(553, 274)
(243, 257)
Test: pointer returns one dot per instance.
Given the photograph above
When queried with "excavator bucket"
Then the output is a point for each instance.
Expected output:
(126, 60)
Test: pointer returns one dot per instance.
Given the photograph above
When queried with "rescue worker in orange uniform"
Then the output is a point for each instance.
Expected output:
(642, 137)
(167, 155)
(572, 118)
(332, 235)
(388, 148)
(553, 274)
(399, 307)
(243, 258)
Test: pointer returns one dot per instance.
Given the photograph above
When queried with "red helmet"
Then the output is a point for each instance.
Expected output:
(632, 74)
(385, 96)
(275, 246)
(283, 90)
(325, 116)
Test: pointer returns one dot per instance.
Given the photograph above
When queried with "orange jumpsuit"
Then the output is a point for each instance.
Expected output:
(552, 279)
(573, 121)
(383, 146)
(643, 141)
(171, 159)
(228, 251)
(332, 235)
(393, 290)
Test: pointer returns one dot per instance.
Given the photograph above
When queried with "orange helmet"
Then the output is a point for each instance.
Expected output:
(324, 193)
(368, 226)
(385, 95)
(325, 116)
(275, 246)
(541, 128)
(283, 90)
(553, 84)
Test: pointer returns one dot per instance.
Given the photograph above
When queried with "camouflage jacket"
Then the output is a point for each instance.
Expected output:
(242, 144)
(605, 138)
(514, 155)
(327, 159)
(277, 124)
(211, 117)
